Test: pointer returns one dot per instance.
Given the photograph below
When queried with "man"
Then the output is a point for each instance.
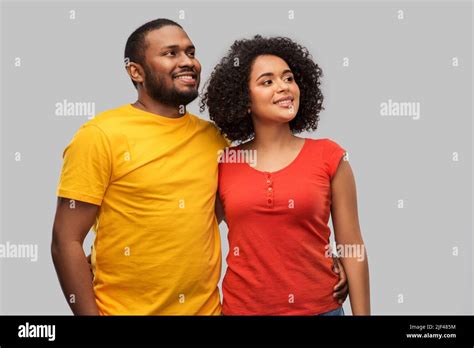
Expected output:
(144, 176)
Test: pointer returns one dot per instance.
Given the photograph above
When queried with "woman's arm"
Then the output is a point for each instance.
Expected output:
(348, 237)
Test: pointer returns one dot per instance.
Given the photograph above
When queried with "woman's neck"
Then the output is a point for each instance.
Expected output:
(271, 138)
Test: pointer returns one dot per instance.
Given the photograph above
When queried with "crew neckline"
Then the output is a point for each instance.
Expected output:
(285, 168)
(157, 117)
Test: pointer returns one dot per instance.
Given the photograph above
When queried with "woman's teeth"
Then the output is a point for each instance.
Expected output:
(285, 103)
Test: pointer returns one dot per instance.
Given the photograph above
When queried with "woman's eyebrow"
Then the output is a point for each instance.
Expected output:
(286, 71)
(264, 74)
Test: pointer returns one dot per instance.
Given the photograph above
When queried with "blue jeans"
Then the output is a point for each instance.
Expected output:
(335, 312)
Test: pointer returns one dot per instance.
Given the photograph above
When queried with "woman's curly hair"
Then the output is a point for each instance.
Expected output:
(226, 93)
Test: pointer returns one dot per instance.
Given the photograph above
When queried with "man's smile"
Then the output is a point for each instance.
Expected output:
(187, 78)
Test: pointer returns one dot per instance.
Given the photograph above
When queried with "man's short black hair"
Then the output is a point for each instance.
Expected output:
(136, 43)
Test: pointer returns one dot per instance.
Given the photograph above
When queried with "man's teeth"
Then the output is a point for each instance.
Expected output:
(185, 77)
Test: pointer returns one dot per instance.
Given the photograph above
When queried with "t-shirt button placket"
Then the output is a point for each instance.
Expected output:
(269, 190)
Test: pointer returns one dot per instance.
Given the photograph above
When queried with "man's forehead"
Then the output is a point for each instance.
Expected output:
(168, 36)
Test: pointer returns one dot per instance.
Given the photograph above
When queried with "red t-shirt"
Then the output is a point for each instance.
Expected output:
(278, 234)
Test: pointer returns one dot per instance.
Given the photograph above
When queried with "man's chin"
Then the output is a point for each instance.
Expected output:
(186, 98)
(187, 90)
(176, 97)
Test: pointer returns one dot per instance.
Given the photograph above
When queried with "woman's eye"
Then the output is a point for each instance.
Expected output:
(267, 82)
(290, 78)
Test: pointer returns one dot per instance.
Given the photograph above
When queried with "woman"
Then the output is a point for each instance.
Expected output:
(277, 208)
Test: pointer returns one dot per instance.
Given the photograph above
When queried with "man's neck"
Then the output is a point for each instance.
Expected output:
(150, 105)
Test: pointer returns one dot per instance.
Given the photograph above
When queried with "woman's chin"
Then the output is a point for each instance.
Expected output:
(281, 116)
(284, 117)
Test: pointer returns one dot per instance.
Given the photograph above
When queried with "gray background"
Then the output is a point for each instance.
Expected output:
(410, 249)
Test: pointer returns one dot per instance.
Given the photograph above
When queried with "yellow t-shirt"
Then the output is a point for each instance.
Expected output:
(157, 247)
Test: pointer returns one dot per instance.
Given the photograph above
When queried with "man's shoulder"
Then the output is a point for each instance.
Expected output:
(211, 129)
(201, 121)
(108, 116)
(107, 120)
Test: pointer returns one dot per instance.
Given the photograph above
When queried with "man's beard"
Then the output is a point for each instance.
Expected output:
(168, 96)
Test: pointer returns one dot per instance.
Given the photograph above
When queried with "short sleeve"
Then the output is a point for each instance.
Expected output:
(334, 154)
(87, 166)
(221, 138)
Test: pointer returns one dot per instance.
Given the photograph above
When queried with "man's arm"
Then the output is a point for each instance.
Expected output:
(348, 235)
(341, 289)
(72, 222)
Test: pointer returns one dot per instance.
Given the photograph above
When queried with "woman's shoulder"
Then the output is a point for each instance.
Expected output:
(326, 145)
(322, 141)
(328, 154)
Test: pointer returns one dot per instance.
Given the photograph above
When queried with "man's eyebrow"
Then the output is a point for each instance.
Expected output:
(170, 46)
(177, 46)
(271, 74)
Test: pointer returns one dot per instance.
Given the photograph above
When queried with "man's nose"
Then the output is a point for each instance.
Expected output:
(185, 60)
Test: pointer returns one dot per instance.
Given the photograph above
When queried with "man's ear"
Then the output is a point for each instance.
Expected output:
(135, 71)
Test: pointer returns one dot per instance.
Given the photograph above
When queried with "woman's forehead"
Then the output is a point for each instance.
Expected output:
(269, 64)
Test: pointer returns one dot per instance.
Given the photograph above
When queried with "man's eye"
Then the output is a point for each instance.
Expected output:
(170, 53)
(192, 54)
